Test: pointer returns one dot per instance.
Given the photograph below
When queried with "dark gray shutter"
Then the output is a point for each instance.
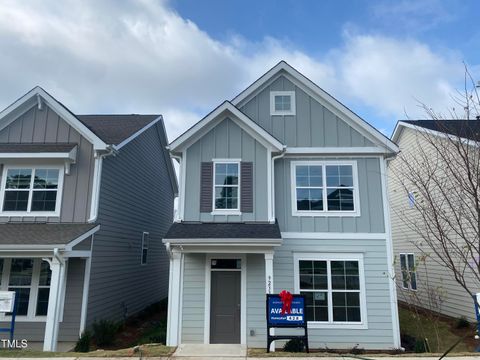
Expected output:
(206, 187)
(246, 187)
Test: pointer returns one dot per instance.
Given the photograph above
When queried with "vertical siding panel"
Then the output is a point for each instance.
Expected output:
(264, 119)
(344, 138)
(375, 196)
(234, 140)
(40, 125)
(330, 128)
(64, 132)
(364, 225)
(317, 123)
(192, 188)
(52, 126)
(221, 140)
(15, 130)
(83, 176)
(303, 112)
(28, 123)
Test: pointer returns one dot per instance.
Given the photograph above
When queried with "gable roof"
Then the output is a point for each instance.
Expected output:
(465, 129)
(115, 129)
(323, 97)
(244, 122)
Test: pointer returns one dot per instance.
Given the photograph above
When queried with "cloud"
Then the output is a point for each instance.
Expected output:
(143, 57)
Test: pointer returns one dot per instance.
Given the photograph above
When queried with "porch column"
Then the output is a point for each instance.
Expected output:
(269, 284)
(173, 324)
(54, 303)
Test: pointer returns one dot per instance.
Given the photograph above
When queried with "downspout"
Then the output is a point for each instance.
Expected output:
(177, 216)
(97, 176)
(281, 155)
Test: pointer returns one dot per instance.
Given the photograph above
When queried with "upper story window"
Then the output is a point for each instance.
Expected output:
(324, 188)
(31, 190)
(282, 102)
(409, 273)
(226, 186)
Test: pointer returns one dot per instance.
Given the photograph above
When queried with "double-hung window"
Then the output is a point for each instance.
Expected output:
(226, 186)
(333, 286)
(409, 273)
(31, 190)
(30, 279)
(324, 188)
(145, 240)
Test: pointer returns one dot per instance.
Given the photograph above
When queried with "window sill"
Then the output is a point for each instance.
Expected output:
(346, 326)
(226, 212)
(29, 214)
(22, 318)
(283, 113)
(325, 213)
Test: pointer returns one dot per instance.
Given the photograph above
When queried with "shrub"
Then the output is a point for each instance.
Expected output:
(83, 343)
(294, 345)
(420, 346)
(104, 332)
(462, 323)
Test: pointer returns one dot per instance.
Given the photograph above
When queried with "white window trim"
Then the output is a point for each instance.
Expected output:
(324, 212)
(363, 302)
(58, 203)
(34, 286)
(409, 280)
(292, 110)
(144, 248)
(226, 211)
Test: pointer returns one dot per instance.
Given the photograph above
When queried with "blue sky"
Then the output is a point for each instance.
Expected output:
(181, 58)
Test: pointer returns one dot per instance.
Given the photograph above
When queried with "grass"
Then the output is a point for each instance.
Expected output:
(145, 350)
(420, 326)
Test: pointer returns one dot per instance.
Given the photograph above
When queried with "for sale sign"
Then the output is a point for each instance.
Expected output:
(279, 314)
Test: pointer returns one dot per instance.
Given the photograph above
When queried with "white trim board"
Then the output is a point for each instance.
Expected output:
(139, 132)
(243, 295)
(333, 236)
(41, 95)
(242, 120)
(320, 95)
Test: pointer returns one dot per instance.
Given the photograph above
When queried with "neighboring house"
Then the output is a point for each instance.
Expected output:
(282, 188)
(84, 203)
(422, 280)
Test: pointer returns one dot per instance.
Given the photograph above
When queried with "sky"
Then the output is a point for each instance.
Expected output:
(182, 58)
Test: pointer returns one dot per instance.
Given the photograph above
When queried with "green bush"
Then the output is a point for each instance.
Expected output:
(104, 332)
(83, 343)
(294, 345)
(462, 323)
(420, 346)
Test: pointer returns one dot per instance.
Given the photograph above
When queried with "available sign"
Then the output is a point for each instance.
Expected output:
(277, 315)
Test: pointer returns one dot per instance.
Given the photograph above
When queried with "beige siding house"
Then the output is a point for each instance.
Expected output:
(420, 279)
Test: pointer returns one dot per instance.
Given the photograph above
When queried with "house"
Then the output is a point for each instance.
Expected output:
(421, 279)
(282, 187)
(84, 203)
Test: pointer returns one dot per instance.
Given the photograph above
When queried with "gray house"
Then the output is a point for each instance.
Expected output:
(84, 203)
(282, 187)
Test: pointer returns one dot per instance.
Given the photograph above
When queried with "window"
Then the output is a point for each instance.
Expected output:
(226, 186)
(409, 273)
(324, 188)
(333, 288)
(282, 103)
(30, 279)
(145, 239)
(31, 190)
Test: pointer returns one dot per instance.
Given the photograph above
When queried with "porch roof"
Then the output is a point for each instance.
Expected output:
(33, 236)
(223, 231)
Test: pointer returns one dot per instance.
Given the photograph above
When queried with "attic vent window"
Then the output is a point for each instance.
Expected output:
(282, 103)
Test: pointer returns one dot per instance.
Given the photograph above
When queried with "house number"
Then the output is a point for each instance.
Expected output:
(269, 285)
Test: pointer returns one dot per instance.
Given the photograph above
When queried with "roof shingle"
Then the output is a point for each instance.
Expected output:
(467, 129)
(223, 231)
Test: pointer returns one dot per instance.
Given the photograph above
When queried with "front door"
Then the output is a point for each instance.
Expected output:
(225, 307)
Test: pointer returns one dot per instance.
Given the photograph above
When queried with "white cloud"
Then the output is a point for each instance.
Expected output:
(143, 57)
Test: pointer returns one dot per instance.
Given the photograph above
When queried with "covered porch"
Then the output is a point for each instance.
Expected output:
(48, 267)
(218, 280)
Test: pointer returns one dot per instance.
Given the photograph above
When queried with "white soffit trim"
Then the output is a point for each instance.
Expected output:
(65, 114)
(71, 155)
(245, 122)
(336, 150)
(82, 237)
(322, 96)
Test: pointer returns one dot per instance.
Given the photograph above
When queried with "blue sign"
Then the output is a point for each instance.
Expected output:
(296, 316)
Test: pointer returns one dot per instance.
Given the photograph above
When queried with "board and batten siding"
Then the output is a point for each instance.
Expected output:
(226, 141)
(312, 125)
(70, 325)
(455, 301)
(46, 126)
(135, 196)
(371, 218)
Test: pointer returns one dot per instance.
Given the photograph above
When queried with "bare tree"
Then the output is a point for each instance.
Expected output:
(443, 174)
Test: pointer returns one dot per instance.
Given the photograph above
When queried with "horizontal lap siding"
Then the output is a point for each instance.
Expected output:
(193, 310)
(136, 196)
(455, 301)
(379, 334)
(40, 126)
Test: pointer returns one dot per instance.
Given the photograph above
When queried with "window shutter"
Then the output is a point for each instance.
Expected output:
(206, 187)
(246, 187)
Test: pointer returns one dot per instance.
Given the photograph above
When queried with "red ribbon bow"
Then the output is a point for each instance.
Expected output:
(286, 298)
